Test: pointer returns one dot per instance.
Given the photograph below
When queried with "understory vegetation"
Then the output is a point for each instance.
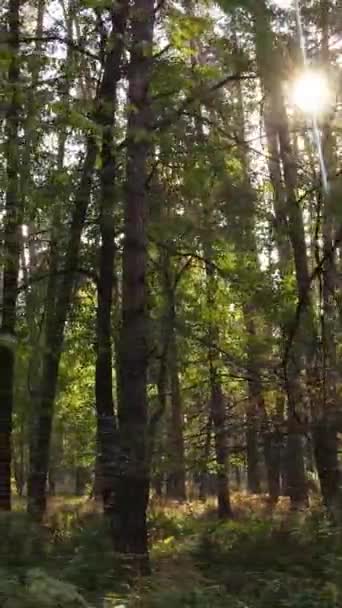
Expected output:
(257, 560)
(170, 304)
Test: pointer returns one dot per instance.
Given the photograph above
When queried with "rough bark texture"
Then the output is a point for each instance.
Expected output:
(56, 319)
(129, 520)
(104, 355)
(11, 256)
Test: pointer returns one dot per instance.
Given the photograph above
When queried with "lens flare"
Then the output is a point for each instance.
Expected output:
(310, 92)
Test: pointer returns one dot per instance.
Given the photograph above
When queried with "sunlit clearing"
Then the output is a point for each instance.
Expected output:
(283, 3)
(310, 92)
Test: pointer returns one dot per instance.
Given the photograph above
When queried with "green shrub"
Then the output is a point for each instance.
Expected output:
(22, 542)
(202, 597)
(37, 590)
(85, 552)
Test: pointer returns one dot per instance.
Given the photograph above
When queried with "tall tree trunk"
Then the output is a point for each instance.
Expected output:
(277, 131)
(217, 404)
(221, 444)
(129, 521)
(325, 424)
(57, 311)
(247, 244)
(49, 312)
(203, 480)
(252, 424)
(176, 488)
(256, 405)
(11, 256)
(106, 431)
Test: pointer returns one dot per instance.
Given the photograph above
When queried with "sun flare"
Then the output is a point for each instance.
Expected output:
(310, 92)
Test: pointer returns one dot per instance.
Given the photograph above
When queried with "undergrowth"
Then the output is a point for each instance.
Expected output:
(257, 560)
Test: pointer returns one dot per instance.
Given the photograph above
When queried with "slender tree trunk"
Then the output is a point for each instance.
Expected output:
(272, 460)
(203, 483)
(106, 431)
(11, 250)
(56, 314)
(32, 116)
(176, 488)
(19, 458)
(221, 445)
(129, 521)
(289, 215)
(254, 410)
(248, 245)
(253, 476)
(273, 449)
(217, 405)
(325, 426)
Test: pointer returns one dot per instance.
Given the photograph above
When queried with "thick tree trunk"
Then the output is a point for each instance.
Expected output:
(326, 455)
(11, 256)
(129, 519)
(106, 431)
(57, 313)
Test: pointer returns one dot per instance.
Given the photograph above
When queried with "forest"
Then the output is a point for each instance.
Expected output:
(170, 303)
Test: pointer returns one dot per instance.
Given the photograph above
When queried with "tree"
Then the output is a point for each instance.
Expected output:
(55, 321)
(11, 255)
(132, 488)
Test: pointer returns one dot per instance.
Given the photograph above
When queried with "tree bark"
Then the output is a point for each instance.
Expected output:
(255, 408)
(11, 250)
(175, 486)
(217, 405)
(129, 520)
(57, 314)
(203, 481)
(106, 425)
(247, 244)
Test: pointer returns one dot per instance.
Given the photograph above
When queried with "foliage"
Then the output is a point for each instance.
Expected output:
(37, 589)
(293, 561)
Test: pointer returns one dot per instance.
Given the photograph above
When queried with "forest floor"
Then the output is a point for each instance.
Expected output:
(258, 560)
